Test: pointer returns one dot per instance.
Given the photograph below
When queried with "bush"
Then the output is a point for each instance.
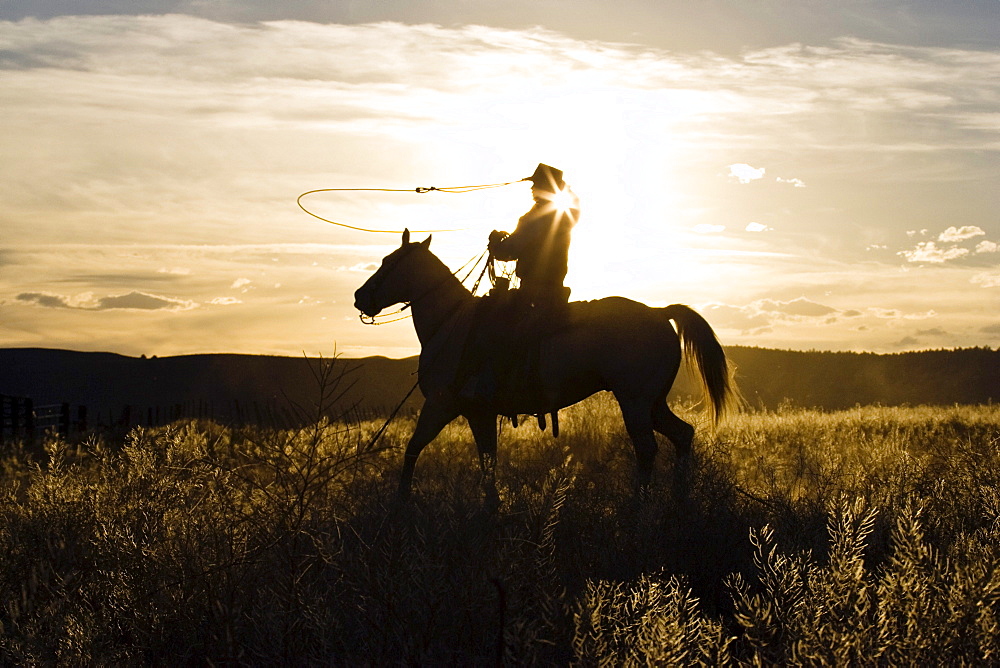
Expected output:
(869, 536)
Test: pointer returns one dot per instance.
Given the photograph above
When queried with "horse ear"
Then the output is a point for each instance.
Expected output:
(426, 243)
(406, 235)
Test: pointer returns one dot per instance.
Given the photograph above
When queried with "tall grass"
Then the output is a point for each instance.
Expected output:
(868, 537)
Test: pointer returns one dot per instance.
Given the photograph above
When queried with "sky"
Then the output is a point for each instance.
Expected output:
(807, 175)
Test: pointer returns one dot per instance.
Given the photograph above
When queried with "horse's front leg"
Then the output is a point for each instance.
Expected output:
(433, 418)
(484, 430)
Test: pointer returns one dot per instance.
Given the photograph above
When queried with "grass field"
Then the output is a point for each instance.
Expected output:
(868, 536)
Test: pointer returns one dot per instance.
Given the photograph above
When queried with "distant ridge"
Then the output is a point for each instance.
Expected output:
(834, 380)
(222, 385)
(106, 382)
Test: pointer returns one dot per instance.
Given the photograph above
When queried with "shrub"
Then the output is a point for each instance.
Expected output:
(869, 536)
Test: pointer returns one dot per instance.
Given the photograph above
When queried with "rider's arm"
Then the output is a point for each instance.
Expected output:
(524, 237)
(501, 249)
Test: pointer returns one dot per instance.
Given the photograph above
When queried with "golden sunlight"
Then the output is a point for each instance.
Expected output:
(635, 191)
(563, 201)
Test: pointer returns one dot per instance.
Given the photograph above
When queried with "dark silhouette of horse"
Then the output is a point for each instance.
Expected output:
(611, 344)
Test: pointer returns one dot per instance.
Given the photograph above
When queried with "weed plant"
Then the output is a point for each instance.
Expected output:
(868, 536)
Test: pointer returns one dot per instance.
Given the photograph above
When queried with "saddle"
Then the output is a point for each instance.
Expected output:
(501, 360)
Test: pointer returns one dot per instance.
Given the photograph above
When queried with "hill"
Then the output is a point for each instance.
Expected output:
(834, 380)
(225, 387)
(247, 387)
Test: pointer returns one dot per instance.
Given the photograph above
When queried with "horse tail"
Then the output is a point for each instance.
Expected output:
(702, 348)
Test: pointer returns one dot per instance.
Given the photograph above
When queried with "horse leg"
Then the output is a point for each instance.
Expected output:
(677, 430)
(433, 418)
(681, 434)
(638, 417)
(484, 430)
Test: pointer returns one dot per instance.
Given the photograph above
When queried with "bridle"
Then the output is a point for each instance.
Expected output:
(376, 286)
(387, 270)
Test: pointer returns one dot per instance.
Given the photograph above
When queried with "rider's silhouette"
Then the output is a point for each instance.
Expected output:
(540, 242)
(540, 245)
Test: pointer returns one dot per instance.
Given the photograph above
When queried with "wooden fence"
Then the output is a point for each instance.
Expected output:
(21, 417)
(231, 412)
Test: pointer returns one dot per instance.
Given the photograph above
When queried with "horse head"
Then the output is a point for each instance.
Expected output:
(395, 280)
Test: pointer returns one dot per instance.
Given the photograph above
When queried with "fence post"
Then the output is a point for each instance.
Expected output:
(81, 419)
(29, 417)
(64, 420)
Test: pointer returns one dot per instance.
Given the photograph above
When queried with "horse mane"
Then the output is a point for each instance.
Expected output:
(445, 273)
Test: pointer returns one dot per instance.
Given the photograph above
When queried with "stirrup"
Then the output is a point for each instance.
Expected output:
(555, 422)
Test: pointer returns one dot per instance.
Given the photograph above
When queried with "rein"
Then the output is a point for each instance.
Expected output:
(371, 319)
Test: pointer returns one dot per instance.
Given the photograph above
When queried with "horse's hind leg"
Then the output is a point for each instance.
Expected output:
(677, 430)
(680, 434)
(639, 425)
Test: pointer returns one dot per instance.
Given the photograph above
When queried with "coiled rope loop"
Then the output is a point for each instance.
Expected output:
(419, 190)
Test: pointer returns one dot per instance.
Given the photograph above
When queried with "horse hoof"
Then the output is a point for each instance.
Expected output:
(491, 505)
(401, 500)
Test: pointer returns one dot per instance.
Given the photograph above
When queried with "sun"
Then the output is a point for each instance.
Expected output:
(563, 201)
(628, 174)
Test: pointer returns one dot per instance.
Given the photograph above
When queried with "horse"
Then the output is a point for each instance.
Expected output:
(612, 344)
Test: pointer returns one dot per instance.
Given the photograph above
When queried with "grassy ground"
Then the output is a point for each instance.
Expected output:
(868, 536)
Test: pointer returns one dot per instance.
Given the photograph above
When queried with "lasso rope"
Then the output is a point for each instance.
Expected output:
(419, 190)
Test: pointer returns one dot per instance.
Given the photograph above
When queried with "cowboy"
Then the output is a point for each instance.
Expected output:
(540, 242)
(540, 245)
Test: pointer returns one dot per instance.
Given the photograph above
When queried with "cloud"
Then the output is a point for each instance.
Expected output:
(987, 279)
(758, 227)
(131, 301)
(141, 301)
(934, 331)
(742, 318)
(201, 132)
(795, 182)
(706, 228)
(796, 307)
(896, 314)
(927, 251)
(239, 283)
(991, 329)
(121, 279)
(225, 301)
(745, 173)
(763, 313)
(955, 234)
(46, 300)
(365, 267)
